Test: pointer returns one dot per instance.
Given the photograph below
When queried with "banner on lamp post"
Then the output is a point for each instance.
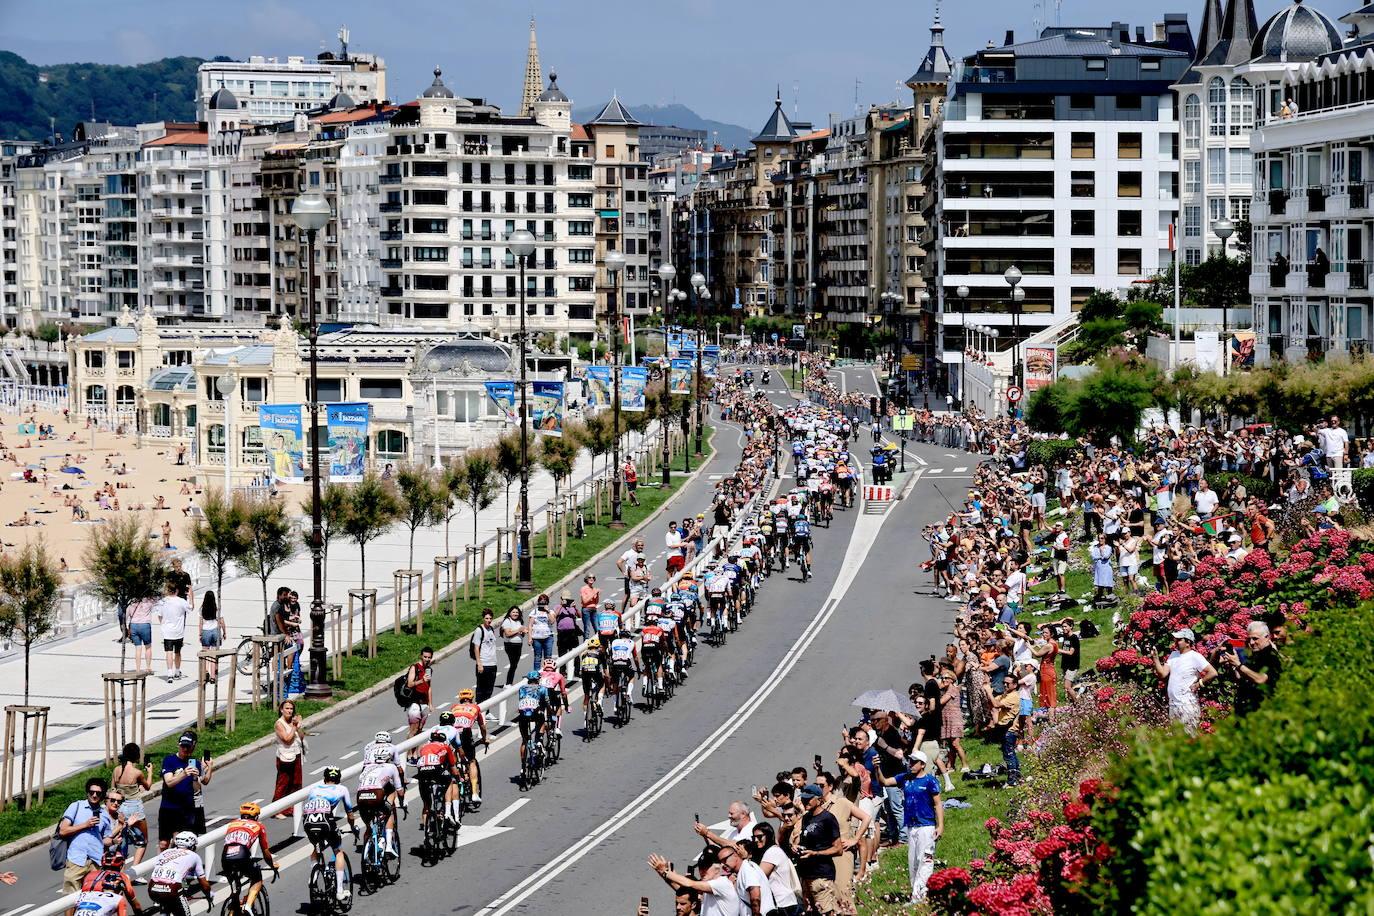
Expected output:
(634, 381)
(598, 382)
(546, 407)
(680, 379)
(347, 427)
(502, 394)
(282, 426)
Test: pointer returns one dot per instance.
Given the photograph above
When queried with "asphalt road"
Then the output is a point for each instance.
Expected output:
(770, 699)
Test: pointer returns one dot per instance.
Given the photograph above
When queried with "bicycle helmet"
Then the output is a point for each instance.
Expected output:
(532, 676)
(382, 737)
(593, 643)
(112, 859)
(624, 634)
(383, 755)
(250, 809)
(438, 735)
(548, 664)
(185, 840)
(445, 718)
(466, 695)
(332, 774)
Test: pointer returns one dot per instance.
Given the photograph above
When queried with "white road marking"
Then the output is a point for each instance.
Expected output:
(865, 533)
(398, 729)
(318, 770)
(937, 470)
(917, 458)
(951, 455)
(349, 754)
(961, 470)
(19, 909)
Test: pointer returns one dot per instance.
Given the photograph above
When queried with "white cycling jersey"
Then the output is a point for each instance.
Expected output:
(171, 869)
(379, 776)
(396, 756)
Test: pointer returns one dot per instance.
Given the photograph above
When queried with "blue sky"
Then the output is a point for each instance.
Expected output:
(722, 58)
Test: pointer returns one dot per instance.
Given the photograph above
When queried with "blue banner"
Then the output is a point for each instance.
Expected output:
(710, 361)
(347, 425)
(282, 440)
(502, 395)
(546, 407)
(598, 384)
(633, 382)
(680, 379)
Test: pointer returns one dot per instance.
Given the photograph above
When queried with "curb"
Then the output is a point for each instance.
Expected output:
(33, 840)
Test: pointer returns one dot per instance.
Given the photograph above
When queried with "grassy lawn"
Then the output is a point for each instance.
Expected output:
(394, 652)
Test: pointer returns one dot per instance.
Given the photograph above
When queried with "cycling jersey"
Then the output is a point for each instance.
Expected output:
(376, 782)
(622, 651)
(396, 756)
(326, 797)
(652, 635)
(530, 699)
(172, 868)
(801, 529)
(553, 683)
(451, 734)
(435, 759)
(590, 663)
(101, 903)
(240, 836)
(465, 715)
(607, 622)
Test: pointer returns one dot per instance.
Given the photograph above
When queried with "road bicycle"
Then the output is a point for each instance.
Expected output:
(238, 887)
(531, 763)
(440, 833)
(653, 697)
(324, 879)
(593, 717)
(622, 699)
(553, 742)
(377, 866)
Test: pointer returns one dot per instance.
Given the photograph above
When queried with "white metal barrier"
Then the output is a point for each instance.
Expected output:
(211, 841)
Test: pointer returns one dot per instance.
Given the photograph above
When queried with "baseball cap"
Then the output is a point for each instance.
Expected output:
(1184, 633)
(918, 755)
(811, 790)
(186, 741)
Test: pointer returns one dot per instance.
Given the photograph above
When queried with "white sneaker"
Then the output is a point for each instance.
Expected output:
(346, 893)
(558, 732)
(476, 799)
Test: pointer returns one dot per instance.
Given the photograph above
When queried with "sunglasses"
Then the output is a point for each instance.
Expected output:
(99, 793)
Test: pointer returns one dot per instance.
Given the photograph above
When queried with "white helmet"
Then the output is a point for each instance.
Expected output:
(383, 755)
(185, 840)
(382, 737)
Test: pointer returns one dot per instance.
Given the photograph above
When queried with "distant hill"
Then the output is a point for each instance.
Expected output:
(730, 136)
(161, 90)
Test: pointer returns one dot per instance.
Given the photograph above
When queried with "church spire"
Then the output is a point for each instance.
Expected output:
(534, 77)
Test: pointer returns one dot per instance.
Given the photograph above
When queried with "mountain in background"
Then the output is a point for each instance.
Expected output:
(161, 90)
(730, 136)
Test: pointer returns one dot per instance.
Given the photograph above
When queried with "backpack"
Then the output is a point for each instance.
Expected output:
(57, 846)
(474, 643)
(404, 695)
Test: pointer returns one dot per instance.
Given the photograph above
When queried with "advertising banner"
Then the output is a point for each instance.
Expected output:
(502, 395)
(710, 361)
(546, 407)
(633, 382)
(282, 440)
(1041, 364)
(347, 426)
(680, 380)
(1243, 350)
(598, 381)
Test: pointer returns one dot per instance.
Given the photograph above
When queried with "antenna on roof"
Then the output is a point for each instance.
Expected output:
(795, 89)
(857, 84)
(343, 41)
(1038, 19)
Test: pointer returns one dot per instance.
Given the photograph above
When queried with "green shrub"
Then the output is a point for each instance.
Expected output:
(1362, 479)
(1269, 815)
(1254, 486)
(1050, 453)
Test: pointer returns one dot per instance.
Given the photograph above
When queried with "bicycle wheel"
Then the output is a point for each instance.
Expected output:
(391, 866)
(243, 660)
(320, 889)
(262, 906)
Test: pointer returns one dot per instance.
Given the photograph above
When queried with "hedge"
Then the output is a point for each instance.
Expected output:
(1362, 480)
(1050, 453)
(1269, 815)
(1254, 486)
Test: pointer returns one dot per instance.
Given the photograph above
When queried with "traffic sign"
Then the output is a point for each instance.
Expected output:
(1013, 393)
(911, 362)
(775, 337)
(904, 421)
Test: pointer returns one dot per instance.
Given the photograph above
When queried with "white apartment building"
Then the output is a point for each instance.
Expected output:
(1058, 156)
(1312, 216)
(273, 90)
(457, 178)
(9, 230)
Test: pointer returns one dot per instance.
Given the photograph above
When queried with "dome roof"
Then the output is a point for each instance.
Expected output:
(1296, 33)
(223, 99)
(437, 89)
(480, 355)
(553, 93)
(341, 101)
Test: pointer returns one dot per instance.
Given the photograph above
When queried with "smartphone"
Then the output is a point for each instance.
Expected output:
(206, 756)
(819, 765)
(696, 818)
(644, 903)
(753, 791)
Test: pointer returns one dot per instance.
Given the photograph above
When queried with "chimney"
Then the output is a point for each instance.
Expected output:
(1010, 39)
(1140, 34)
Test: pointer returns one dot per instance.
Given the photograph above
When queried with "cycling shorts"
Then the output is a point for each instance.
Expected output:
(323, 829)
(530, 724)
(373, 802)
(246, 866)
(801, 543)
(591, 681)
(652, 655)
(169, 902)
(467, 740)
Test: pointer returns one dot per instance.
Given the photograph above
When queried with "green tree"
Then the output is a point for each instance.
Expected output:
(556, 454)
(597, 436)
(268, 542)
(1112, 400)
(420, 497)
(333, 511)
(481, 481)
(372, 507)
(450, 504)
(1218, 282)
(218, 534)
(30, 583)
(508, 463)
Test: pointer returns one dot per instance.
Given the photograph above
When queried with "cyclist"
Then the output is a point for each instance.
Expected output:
(717, 593)
(437, 765)
(768, 536)
(382, 740)
(624, 664)
(826, 498)
(591, 669)
(801, 537)
(530, 701)
(172, 869)
(240, 836)
(102, 903)
(322, 823)
(735, 572)
(467, 714)
(381, 787)
(651, 641)
(552, 680)
(109, 878)
(608, 622)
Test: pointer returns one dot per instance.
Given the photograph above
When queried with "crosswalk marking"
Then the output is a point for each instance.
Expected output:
(936, 471)
(961, 470)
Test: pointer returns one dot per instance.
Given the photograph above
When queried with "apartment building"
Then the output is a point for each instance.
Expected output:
(622, 208)
(273, 90)
(1312, 215)
(1057, 156)
(10, 151)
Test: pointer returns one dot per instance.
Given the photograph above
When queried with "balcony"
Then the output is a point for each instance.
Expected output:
(389, 236)
(1359, 196)
(1316, 200)
(1278, 275)
(389, 207)
(1278, 199)
(1358, 272)
(1316, 276)
(391, 263)
(389, 179)
(391, 292)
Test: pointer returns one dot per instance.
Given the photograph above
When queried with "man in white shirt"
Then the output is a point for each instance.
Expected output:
(1187, 671)
(673, 542)
(627, 563)
(1205, 500)
(172, 611)
(751, 884)
(739, 825)
(1334, 442)
(718, 894)
(1016, 586)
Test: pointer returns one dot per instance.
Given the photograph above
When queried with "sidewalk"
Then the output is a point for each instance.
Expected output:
(66, 673)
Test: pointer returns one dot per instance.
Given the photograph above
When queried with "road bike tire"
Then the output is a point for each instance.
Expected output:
(451, 829)
(243, 660)
(320, 891)
(391, 868)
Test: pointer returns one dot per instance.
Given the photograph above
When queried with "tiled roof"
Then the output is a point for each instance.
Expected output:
(580, 133)
(182, 138)
(821, 134)
(352, 115)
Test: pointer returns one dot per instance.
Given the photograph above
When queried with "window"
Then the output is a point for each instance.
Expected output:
(1082, 102)
(1128, 262)
(1128, 102)
(1240, 209)
(1192, 222)
(1192, 122)
(124, 359)
(1216, 167)
(1128, 223)
(1081, 261)
(1083, 145)
(1242, 107)
(422, 253)
(1241, 163)
(437, 226)
(579, 173)
(1082, 184)
(95, 359)
(1192, 256)
(391, 443)
(1216, 107)
(95, 395)
(580, 255)
(1096, 64)
(579, 227)
(1149, 64)
(254, 390)
(331, 390)
(1128, 146)
(1128, 184)
(1082, 222)
(388, 388)
(580, 201)
(430, 282)
(1192, 176)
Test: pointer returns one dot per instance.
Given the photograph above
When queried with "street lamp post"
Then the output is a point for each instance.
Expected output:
(521, 244)
(1224, 229)
(926, 360)
(962, 293)
(433, 365)
(311, 213)
(680, 298)
(615, 262)
(1013, 278)
(702, 294)
(666, 273)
